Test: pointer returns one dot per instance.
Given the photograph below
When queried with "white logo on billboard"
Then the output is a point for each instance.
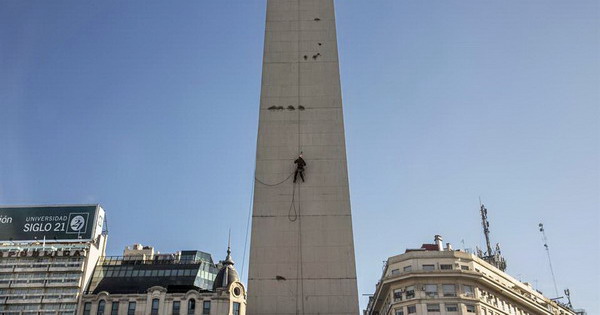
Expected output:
(77, 223)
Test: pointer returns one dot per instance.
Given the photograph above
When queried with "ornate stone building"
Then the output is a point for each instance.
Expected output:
(438, 280)
(142, 282)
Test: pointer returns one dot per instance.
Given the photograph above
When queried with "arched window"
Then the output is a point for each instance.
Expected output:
(191, 307)
(101, 306)
(155, 303)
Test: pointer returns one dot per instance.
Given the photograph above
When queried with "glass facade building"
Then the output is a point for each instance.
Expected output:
(179, 272)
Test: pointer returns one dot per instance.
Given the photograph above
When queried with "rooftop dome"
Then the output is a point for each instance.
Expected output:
(227, 274)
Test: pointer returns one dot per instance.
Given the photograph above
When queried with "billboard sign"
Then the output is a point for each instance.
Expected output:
(50, 223)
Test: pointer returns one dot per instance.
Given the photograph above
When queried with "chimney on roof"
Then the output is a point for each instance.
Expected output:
(449, 247)
(138, 251)
(439, 243)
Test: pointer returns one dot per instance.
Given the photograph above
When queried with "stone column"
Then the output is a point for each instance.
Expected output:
(302, 248)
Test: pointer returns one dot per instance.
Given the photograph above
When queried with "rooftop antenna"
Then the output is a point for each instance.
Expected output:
(568, 295)
(492, 256)
(486, 227)
(545, 240)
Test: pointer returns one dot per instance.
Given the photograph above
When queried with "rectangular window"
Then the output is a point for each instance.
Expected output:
(395, 272)
(176, 307)
(87, 308)
(468, 290)
(399, 312)
(451, 307)
(407, 268)
(449, 289)
(236, 308)
(428, 267)
(131, 308)
(446, 267)
(470, 308)
(433, 308)
(410, 292)
(464, 267)
(206, 308)
(155, 304)
(397, 295)
(114, 308)
(412, 309)
(431, 290)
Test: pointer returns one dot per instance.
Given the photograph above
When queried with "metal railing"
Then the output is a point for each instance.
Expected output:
(134, 260)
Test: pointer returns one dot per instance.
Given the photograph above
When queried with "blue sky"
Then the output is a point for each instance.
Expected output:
(150, 109)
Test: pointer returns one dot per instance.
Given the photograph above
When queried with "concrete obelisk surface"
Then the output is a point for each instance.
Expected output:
(302, 248)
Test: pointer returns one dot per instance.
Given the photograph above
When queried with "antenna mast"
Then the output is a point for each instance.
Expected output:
(486, 227)
(568, 294)
(492, 256)
(545, 240)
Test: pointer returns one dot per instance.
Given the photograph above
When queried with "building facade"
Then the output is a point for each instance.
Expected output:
(437, 280)
(47, 256)
(143, 282)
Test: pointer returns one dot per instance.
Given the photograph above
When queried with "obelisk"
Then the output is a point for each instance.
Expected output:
(302, 248)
